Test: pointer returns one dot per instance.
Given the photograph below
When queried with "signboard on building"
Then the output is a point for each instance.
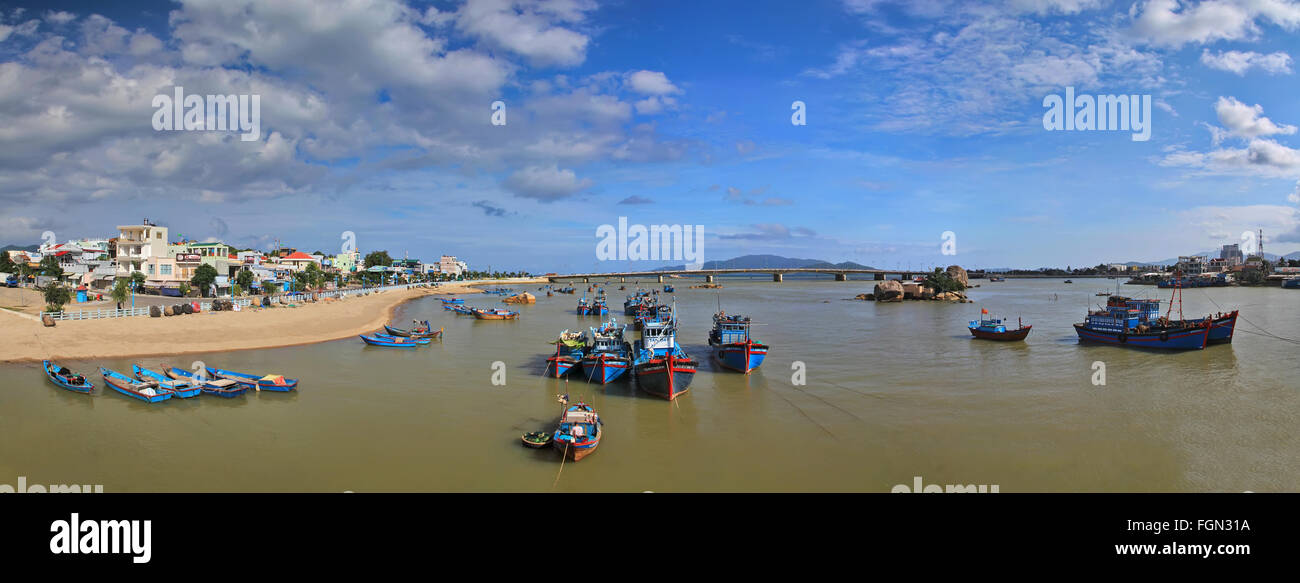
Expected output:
(189, 258)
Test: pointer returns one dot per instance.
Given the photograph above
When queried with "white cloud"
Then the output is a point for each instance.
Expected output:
(1240, 62)
(60, 17)
(1173, 24)
(529, 28)
(1247, 121)
(651, 83)
(546, 183)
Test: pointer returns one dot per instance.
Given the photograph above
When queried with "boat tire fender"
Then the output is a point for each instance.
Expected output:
(1123, 337)
(1164, 336)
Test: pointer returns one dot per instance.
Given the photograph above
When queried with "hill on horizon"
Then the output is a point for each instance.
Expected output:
(770, 261)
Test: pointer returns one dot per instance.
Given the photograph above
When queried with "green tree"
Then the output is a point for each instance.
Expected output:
(137, 278)
(237, 290)
(50, 266)
(378, 258)
(56, 296)
(121, 291)
(185, 289)
(244, 279)
(204, 276)
(941, 281)
(7, 265)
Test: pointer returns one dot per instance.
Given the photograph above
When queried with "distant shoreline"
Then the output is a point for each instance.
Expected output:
(24, 340)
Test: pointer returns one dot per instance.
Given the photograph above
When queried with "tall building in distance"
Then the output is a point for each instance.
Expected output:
(1231, 255)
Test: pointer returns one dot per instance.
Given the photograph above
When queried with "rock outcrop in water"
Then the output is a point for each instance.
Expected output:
(889, 291)
(958, 274)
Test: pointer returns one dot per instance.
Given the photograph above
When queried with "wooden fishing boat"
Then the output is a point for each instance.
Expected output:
(1121, 324)
(608, 356)
(66, 379)
(263, 383)
(425, 330)
(494, 314)
(147, 391)
(668, 288)
(568, 354)
(419, 340)
(579, 432)
(180, 388)
(449, 301)
(536, 439)
(393, 341)
(224, 388)
(732, 346)
(993, 329)
(662, 368)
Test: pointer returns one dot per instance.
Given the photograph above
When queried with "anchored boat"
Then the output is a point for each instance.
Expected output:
(662, 368)
(219, 387)
(494, 314)
(422, 330)
(181, 388)
(579, 431)
(66, 379)
(147, 391)
(568, 354)
(994, 329)
(269, 382)
(608, 356)
(732, 346)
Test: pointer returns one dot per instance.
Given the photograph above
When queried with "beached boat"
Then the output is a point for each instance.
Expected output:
(609, 355)
(569, 348)
(579, 432)
(732, 346)
(269, 382)
(147, 391)
(211, 386)
(494, 314)
(994, 329)
(65, 378)
(660, 365)
(184, 389)
(423, 330)
(393, 341)
(536, 439)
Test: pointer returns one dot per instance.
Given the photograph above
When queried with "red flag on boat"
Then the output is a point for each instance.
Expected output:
(984, 310)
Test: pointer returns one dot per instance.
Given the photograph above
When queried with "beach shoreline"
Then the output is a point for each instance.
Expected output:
(26, 340)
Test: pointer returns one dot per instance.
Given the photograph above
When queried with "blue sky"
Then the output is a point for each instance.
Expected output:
(922, 117)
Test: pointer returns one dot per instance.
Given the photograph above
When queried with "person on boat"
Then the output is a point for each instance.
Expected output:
(577, 433)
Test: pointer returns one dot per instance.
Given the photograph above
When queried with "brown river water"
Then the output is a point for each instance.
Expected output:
(893, 391)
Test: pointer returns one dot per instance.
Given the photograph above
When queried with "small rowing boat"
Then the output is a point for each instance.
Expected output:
(450, 301)
(147, 391)
(66, 379)
(271, 382)
(536, 439)
(393, 341)
(423, 330)
(225, 388)
(494, 314)
(181, 388)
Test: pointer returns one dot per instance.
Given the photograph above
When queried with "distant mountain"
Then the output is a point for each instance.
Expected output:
(770, 261)
(8, 248)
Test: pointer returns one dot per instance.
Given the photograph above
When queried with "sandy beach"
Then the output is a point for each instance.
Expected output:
(23, 338)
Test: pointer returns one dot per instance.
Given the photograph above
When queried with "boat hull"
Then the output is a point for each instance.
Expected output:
(387, 343)
(741, 357)
(408, 334)
(558, 366)
(1184, 339)
(121, 385)
(254, 382)
(605, 368)
(1008, 336)
(666, 377)
(576, 451)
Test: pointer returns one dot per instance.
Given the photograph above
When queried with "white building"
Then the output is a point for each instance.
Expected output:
(137, 244)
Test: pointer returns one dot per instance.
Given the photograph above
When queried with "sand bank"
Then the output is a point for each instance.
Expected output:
(23, 339)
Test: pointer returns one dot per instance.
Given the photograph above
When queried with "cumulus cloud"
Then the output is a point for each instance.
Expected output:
(546, 183)
(1240, 62)
(531, 28)
(651, 83)
(1171, 23)
(1247, 121)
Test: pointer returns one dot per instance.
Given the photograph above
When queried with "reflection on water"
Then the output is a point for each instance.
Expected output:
(892, 391)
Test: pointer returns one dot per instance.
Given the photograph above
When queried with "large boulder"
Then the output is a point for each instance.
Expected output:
(154, 312)
(958, 274)
(927, 293)
(890, 290)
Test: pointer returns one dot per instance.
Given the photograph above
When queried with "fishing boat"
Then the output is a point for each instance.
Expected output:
(609, 355)
(536, 439)
(65, 378)
(1119, 324)
(583, 306)
(422, 330)
(449, 301)
(995, 279)
(494, 314)
(1068, 281)
(668, 288)
(566, 290)
(732, 346)
(147, 391)
(598, 306)
(393, 341)
(579, 431)
(568, 354)
(218, 387)
(462, 310)
(661, 367)
(988, 328)
(184, 389)
(1103, 294)
(1291, 283)
(269, 382)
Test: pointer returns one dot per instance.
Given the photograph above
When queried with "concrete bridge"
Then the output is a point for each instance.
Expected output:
(778, 274)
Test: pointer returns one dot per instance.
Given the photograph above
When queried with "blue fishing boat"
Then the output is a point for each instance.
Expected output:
(1222, 325)
(568, 354)
(225, 388)
(668, 288)
(1119, 325)
(660, 365)
(450, 301)
(147, 391)
(608, 356)
(598, 307)
(269, 382)
(732, 346)
(421, 330)
(584, 307)
(1291, 283)
(179, 388)
(994, 329)
(392, 341)
(579, 431)
(65, 378)
(635, 301)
